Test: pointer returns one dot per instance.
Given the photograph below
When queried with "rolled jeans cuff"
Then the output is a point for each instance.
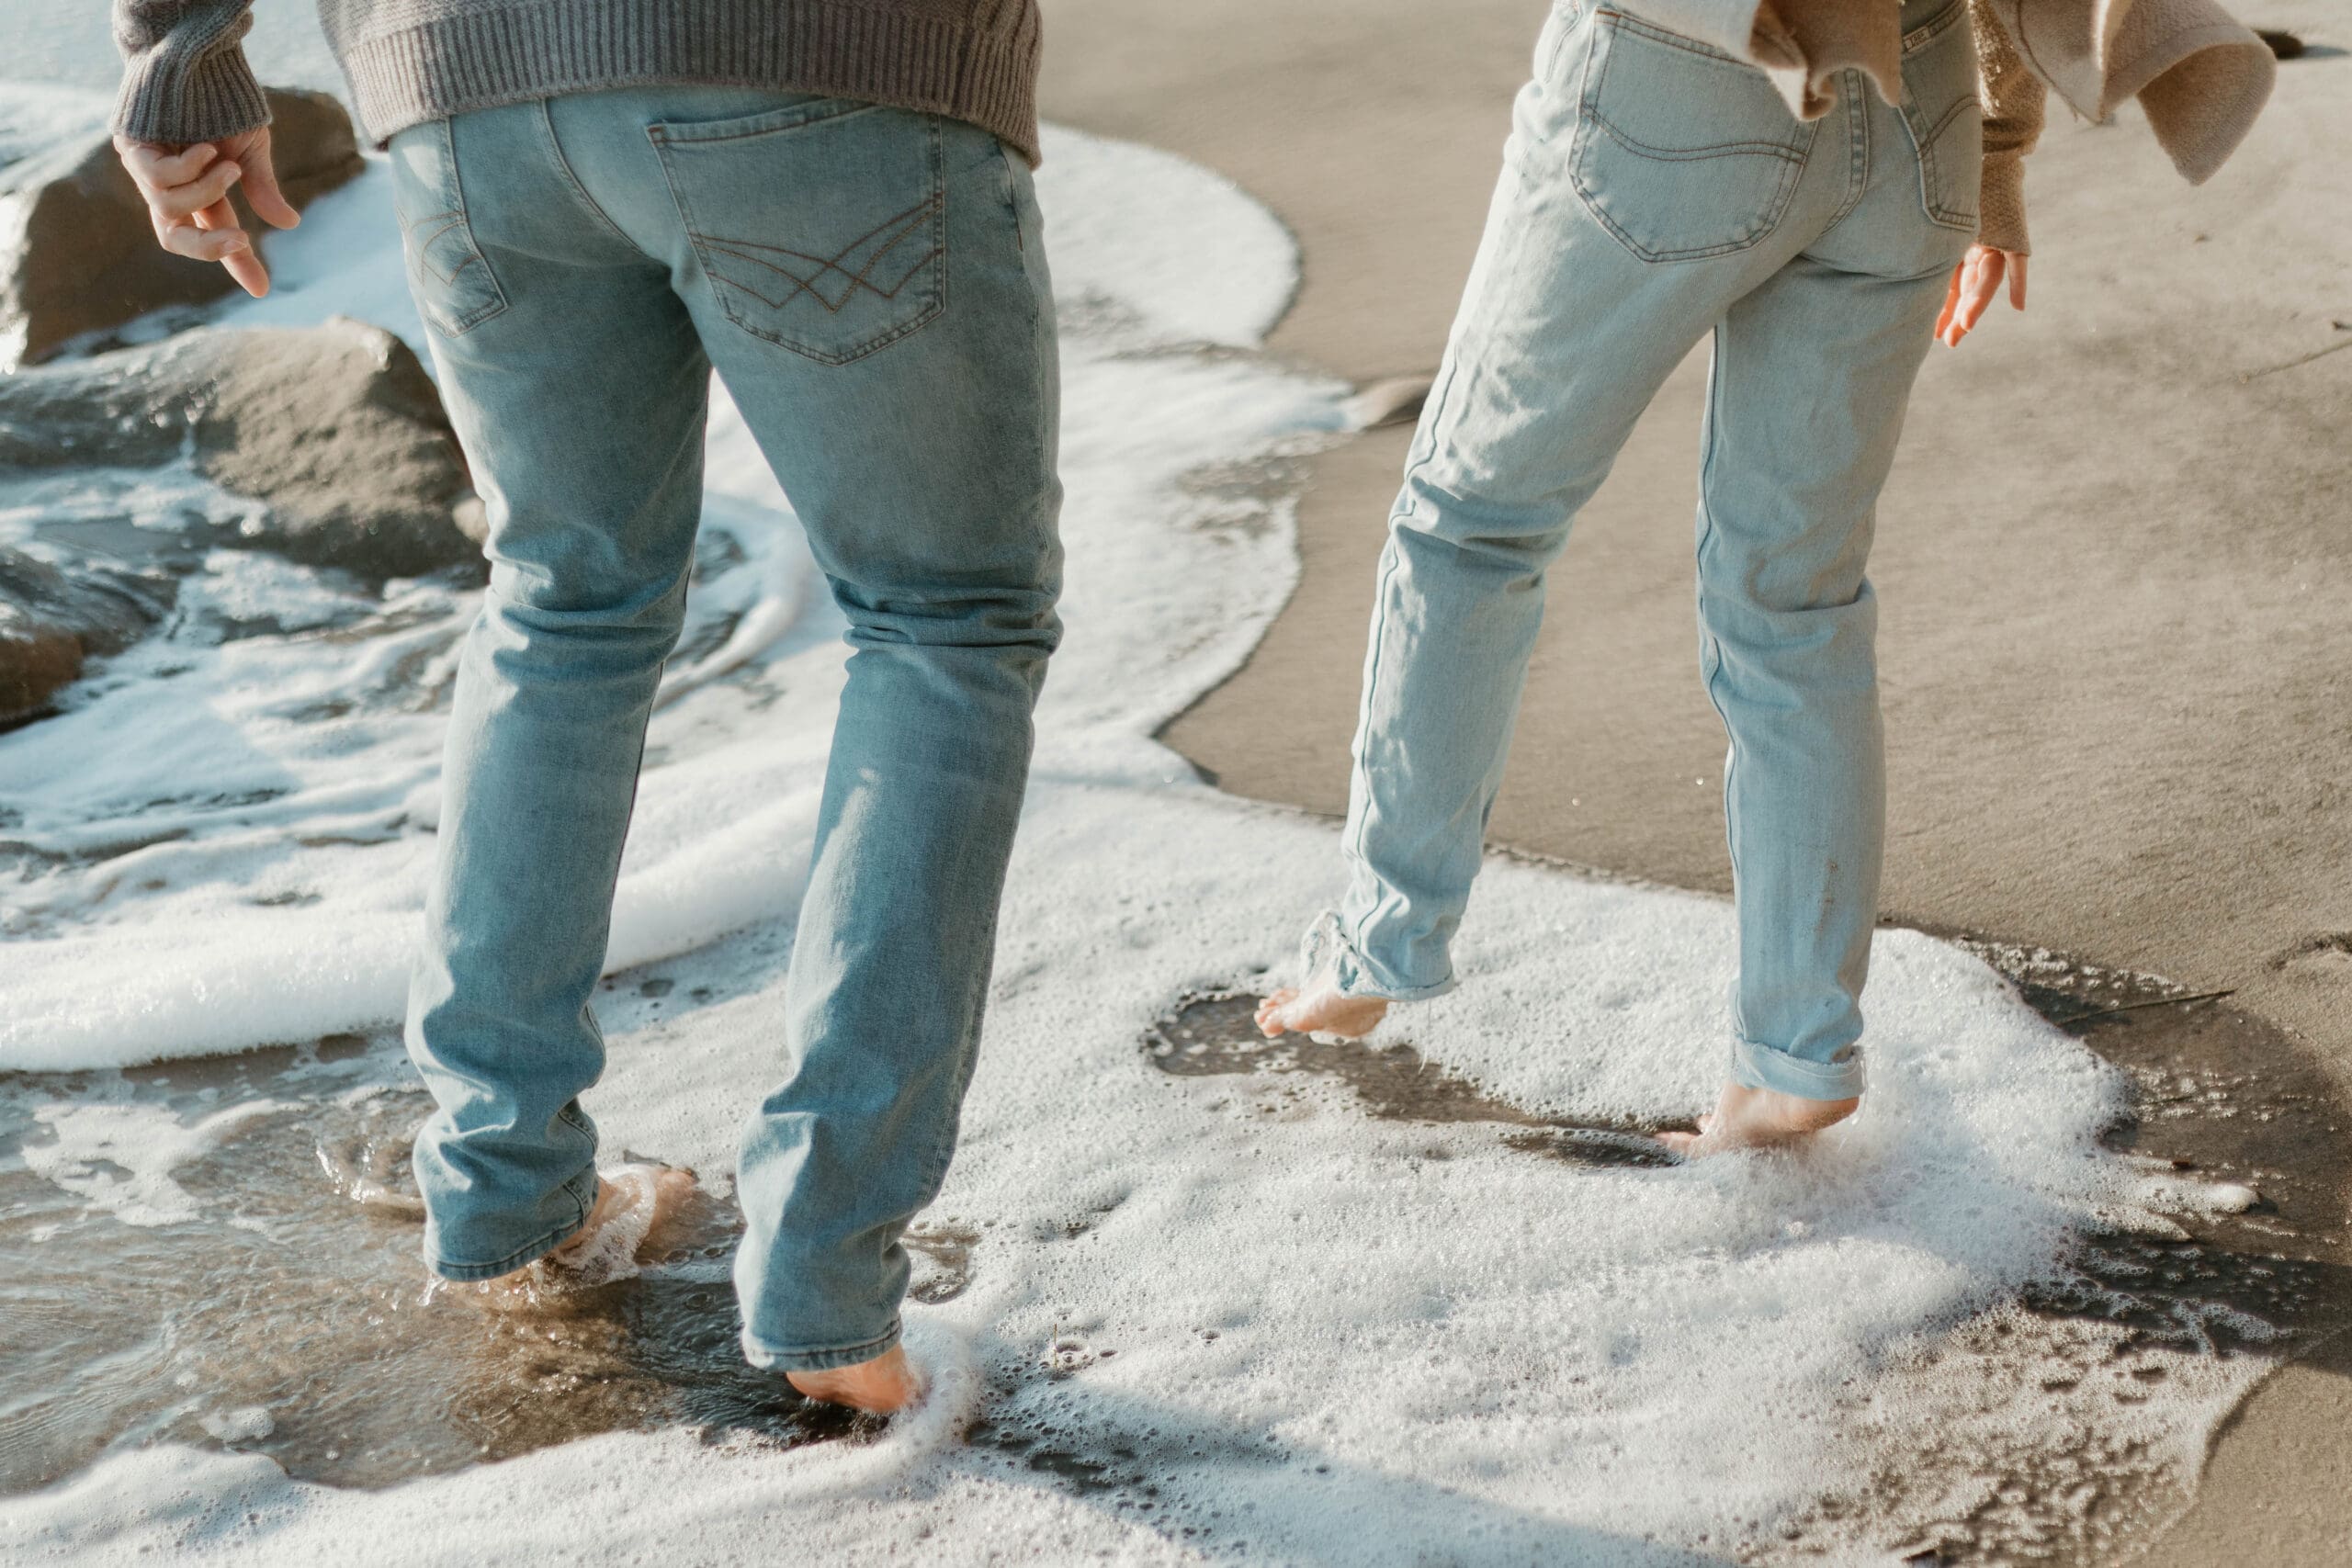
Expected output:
(1763, 1067)
(1357, 979)
(1326, 953)
(823, 1358)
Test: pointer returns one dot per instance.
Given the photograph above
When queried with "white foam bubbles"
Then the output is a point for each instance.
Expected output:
(1237, 1306)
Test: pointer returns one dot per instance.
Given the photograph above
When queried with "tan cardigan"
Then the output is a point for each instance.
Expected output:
(2201, 76)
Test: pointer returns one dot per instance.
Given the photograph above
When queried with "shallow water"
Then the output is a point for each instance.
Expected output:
(223, 1254)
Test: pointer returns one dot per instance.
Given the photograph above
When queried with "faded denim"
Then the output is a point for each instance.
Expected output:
(870, 285)
(1654, 190)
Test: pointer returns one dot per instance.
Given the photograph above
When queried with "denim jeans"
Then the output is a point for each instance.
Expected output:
(1654, 190)
(869, 284)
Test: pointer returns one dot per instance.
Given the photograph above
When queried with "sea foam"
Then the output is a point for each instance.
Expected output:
(1267, 1324)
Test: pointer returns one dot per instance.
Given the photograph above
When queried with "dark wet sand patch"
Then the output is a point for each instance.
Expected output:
(1212, 1034)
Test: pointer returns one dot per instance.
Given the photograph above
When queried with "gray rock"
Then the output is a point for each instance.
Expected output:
(337, 430)
(78, 255)
(51, 621)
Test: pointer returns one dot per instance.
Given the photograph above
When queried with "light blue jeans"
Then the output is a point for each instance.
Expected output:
(870, 285)
(1654, 190)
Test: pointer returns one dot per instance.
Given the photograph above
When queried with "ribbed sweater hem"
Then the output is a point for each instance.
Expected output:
(478, 60)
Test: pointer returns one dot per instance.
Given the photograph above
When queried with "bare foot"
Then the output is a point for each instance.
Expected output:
(633, 1203)
(1756, 1119)
(882, 1386)
(1320, 1012)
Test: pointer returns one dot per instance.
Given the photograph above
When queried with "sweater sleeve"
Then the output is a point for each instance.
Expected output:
(2014, 99)
(185, 76)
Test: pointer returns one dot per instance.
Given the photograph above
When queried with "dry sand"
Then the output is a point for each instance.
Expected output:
(2113, 558)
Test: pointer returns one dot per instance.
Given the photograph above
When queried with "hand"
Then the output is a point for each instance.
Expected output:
(187, 190)
(1974, 282)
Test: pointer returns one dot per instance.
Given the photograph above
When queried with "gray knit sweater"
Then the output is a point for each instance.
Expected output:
(411, 61)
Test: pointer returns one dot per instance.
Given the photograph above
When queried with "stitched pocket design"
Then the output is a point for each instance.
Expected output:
(1681, 151)
(821, 226)
(446, 272)
(1946, 121)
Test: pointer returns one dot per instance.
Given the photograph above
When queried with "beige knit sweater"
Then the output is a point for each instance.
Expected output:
(2201, 76)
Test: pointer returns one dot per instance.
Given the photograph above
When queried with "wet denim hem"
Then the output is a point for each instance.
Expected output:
(520, 1258)
(521, 1255)
(1763, 1067)
(822, 1359)
(1356, 976)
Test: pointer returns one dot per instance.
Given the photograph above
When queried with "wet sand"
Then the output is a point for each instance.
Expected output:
(2107, 560)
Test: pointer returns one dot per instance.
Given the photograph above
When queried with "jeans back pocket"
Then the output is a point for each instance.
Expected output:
(822, 226)
(451, 280)
(1681, 151)
(1946, 120)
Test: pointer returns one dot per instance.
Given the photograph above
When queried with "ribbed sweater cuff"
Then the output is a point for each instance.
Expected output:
(510, 55)
(2002, 206)
(191, 90)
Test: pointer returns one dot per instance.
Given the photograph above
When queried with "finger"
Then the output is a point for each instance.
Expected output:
(219, 215)
(2017, 283)
(269, 203)
(1951, 298)
(155, 167)
(204, 244)
(1964, 289)
(1971, 291)
(187, 200)
(245, 267)
(1984, 284)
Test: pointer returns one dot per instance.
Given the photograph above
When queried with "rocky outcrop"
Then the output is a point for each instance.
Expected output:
(336, 430)
(78, 255)
(50, 622)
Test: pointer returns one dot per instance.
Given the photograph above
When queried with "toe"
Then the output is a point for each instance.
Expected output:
(1274, 1012)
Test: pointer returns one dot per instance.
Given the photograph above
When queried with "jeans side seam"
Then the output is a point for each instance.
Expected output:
(1715, 657)
(1433, 415)
(1360, 783)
